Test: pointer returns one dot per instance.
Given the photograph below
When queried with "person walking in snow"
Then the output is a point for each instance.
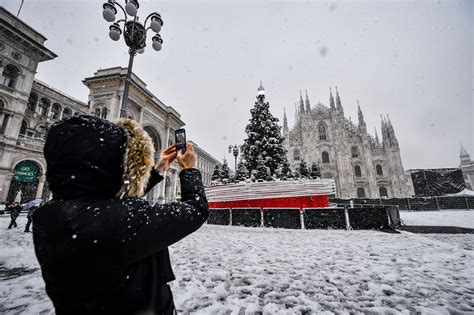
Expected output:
(29, 216)
(101, 247)
(14, 213)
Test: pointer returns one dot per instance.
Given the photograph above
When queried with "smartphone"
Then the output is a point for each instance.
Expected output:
(180, 140)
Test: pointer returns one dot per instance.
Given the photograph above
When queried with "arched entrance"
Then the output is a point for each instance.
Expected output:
(25, 178)
(155, 138)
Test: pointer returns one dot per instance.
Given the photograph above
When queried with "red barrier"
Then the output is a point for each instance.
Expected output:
(321, 201)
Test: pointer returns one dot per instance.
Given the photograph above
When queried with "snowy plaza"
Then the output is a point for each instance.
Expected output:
(238, 270)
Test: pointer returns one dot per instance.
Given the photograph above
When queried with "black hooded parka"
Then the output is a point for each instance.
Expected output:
(100, 254)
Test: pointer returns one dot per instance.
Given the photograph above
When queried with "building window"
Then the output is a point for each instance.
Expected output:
(360, 192)
(378, 169)
(24, 125)
(42, 131)
(9, 75)
(325, 157)
(56, 111)
(67, 112)
(16, 55)
(383, 192)
(104, 113)
(32, 100)
(355, 151)
(357, 171)
(296, 155)
(97, 112)
(3, 128)
(43, 107)
(322, 131)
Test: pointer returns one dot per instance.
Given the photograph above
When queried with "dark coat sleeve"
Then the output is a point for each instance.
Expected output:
(149, 229)
(155, 178)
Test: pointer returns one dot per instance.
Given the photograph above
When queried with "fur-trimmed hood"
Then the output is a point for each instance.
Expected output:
(138, 158)
(91, 157)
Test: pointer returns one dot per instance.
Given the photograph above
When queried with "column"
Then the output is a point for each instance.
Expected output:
(39, 191)
(175, 183)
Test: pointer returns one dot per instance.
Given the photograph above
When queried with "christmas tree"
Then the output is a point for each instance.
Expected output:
(285, 172)
(263, 140)
(315, 173)
(242, 172)
(262, 171)
(225, 172)
(216, 175)
(302, 170)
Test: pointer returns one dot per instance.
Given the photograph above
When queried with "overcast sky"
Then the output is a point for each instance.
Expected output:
(411, 60)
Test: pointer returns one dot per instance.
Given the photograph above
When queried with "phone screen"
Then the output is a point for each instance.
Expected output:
(180, 140)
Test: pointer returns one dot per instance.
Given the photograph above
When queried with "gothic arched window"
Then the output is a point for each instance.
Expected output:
(360, 192)
(32, 100)
(9, 75)
(383, 192)
(296, 155)
(322, 131)
(357, 171)
(325, 157)
(378, 169)
(97, 112)
(355, 151)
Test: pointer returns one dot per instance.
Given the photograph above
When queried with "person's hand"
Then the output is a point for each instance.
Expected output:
(188, 159)
(167, 157)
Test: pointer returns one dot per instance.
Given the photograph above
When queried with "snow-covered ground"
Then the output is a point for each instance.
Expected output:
(234, 270)
(460, 218)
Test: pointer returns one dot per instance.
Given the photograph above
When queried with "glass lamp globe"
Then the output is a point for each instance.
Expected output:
(141, 50)
(155, 26)
(131, 8)
(108, 14)
(156, 45)
(114, 34)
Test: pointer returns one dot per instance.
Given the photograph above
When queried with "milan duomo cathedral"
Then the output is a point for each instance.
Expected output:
(361, 164)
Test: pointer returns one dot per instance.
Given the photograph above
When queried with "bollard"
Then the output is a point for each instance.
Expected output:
(261, 217)
(346, 215)
(230, 216)
(302, 218)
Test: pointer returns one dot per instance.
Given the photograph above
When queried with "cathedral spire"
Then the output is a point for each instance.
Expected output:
(261, 92)
(362, 124)
(308, 105)
(376, 137)
(285, 120)
(338, 101)
(301, 104)
(384, 130)
(391, 133)
(331, 100)
(464, 156)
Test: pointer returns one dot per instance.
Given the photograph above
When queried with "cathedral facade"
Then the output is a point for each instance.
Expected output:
(362, 165)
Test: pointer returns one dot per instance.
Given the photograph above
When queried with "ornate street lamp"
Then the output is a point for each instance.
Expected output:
(134, 34)
(234, 149)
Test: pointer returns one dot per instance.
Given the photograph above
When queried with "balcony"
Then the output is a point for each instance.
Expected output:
(30, 143)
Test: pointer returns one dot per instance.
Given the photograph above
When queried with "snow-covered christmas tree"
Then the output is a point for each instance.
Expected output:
(302, 170)
(242, 172)
(264, 140)
(225, 172)
(314, 173)
(216, 175)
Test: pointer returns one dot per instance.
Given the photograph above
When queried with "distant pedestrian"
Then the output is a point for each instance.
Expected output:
(29, 216)
(14, 213)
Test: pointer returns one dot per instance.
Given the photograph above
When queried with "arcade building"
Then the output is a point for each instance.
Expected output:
(28, 107)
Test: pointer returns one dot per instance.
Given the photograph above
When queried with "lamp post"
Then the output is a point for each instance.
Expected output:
(234, 149)
(134, 34)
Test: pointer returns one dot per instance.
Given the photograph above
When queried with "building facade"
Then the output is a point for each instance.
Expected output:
(361, 164)
(28, 107)
(467, 168)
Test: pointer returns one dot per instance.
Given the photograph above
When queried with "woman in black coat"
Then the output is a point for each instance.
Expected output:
(102, 248)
